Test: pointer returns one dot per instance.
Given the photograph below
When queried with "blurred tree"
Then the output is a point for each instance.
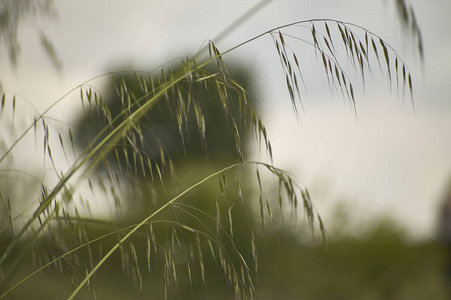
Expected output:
(174, 141)
(163, 128)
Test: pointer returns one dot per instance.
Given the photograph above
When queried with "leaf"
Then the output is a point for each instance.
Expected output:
(277, 46)
(290, 89)
(259, 180)
(201, 259)
(160, 176)
(322, 228)
(3, 103)
(410, 86)
(328, 31)
(375, 49)
(363, 50)
(281, 38)
(254, 252)
(362, 70)
(89, 95)
(366, 42)
(324, 62)
(328, 46)
(229, 211)
(218, 219)
(284, 60)
(262, 213)
(296, 60)
(343, 77)
(268, 207)
(343, 36)
(403, 78)
(62, 144)
(397, 75)
(315, 41)
(162, 157)
(387, 58)
(337, 74)
(404, 72)
(148, 254)
(353, 44)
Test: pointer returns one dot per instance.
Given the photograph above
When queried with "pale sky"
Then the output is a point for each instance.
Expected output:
(391, 160)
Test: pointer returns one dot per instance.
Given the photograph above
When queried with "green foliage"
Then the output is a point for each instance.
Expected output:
(192, 121)
(379, 265)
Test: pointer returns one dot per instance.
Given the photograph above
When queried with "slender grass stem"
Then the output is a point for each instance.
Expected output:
(163, 207)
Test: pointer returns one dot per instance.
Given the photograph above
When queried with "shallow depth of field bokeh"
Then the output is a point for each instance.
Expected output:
(378, 173)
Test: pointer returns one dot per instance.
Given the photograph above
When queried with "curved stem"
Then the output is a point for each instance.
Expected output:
(167, 204)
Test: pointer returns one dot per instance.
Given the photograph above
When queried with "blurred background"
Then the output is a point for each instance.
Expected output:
(380, 178)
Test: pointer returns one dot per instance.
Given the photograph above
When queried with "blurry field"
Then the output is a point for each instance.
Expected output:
(380, 266)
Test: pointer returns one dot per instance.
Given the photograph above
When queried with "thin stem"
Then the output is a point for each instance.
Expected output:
(61, 257)
(238, 22)
(102, 261)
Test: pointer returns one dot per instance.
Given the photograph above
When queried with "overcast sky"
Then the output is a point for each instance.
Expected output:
(390, 161)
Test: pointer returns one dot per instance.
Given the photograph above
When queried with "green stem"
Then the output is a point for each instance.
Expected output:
(102, 261)
(114, 135)
(60, 257)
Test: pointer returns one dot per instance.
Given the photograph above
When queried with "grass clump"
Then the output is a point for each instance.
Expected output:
(163, 232)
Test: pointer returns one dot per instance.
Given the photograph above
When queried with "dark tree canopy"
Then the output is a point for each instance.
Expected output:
(160, 130)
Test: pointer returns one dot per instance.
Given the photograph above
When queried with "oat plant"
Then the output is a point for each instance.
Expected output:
(182, 230)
